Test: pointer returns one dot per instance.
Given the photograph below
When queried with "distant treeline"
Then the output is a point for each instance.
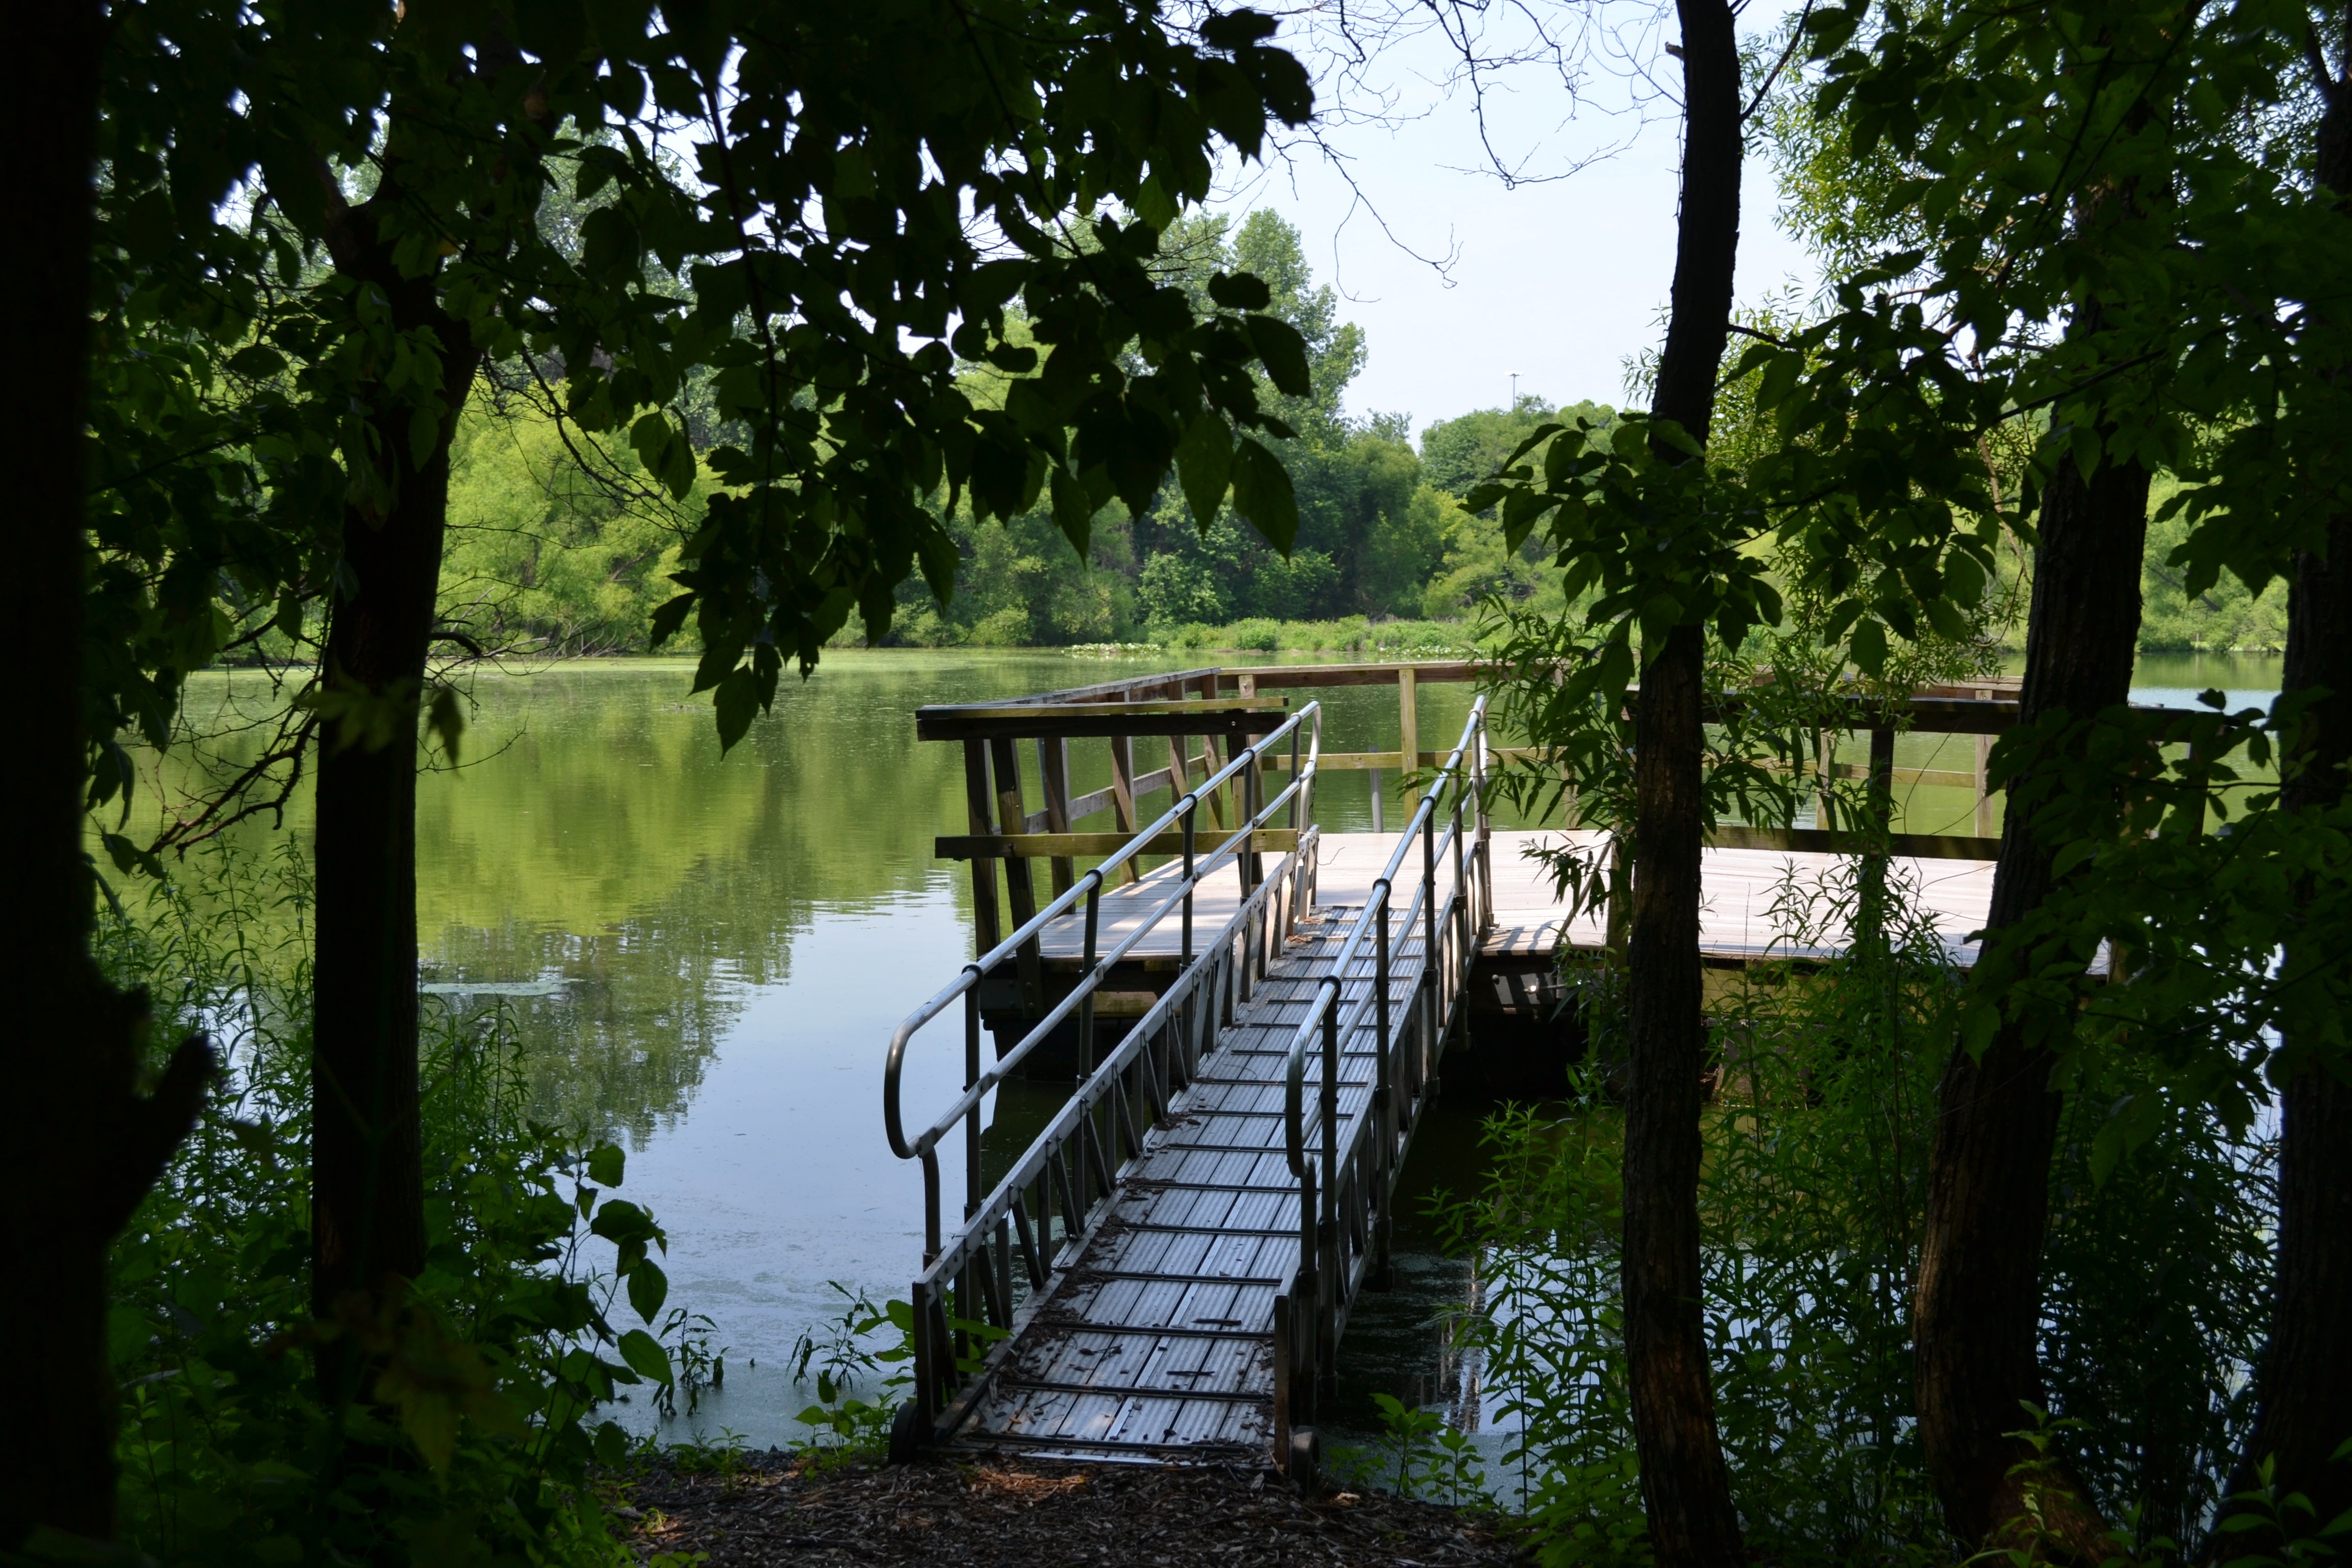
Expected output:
(558, 546)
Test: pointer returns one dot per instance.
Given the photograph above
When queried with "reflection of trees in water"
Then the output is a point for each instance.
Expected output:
(619, 1026)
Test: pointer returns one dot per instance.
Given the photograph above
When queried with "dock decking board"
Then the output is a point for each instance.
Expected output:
(1158, 1336)
(1737, 920)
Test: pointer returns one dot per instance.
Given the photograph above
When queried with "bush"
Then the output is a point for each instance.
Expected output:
(479, 1441)
(1813, 1197)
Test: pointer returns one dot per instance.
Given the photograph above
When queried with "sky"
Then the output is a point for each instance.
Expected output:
(1560, 281)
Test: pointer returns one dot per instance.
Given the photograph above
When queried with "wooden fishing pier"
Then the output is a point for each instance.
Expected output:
(1253, 1013)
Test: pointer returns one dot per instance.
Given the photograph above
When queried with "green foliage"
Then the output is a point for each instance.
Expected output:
(544, 553)
(485, 1421)
(1433, 1459)
(772, 326)
(862, 1346)
(1813, 1197)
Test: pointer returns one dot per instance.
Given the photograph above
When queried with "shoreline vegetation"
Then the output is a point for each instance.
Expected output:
(560, 547)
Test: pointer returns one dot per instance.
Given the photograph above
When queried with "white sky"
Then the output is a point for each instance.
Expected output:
(1560, 281)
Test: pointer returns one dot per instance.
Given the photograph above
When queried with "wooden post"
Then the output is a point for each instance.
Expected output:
(987, 928)
(1054, 768)
(1408, 727)
(1019, 890)
(1122, 795)
(1881, 776)
(1984, 786)
(1210, 760)
(1249, 791)
(1871, 917)
(1825, 770)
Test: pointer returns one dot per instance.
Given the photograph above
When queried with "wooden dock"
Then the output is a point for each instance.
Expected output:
(1255, 1012)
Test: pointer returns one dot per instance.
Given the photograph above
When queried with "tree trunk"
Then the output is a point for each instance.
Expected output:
(2306, 1374)
(1685, 1486)
(1978, 1302)
(367, 1180)
(85, 1146)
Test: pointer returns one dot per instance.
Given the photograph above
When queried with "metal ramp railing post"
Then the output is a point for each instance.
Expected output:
(1346, 1184)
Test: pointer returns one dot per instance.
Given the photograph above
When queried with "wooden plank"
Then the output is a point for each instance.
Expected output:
(1304, 675)
(1094, 801)
(1122, 793)
(1054, 769)
(1983, 782)
(1813, 841)
(1409, 723)
(964, 846)
(987, 928)
(1020, 892)
(1222, 715)
(1127, 689)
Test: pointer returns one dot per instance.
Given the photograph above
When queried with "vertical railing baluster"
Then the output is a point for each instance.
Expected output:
(1087, 977)
(1184, 960)
(971, 1171)
(1429, 936)
(1005, 1268)
(927, 1359)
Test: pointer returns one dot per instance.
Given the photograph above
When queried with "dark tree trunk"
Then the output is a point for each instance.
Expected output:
(367, 1182)
(1978, 1299)
(2306, 1376)
(1684, 1486)
(85, 1147)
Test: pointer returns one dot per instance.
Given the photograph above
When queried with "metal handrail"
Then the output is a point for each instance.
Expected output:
(1368, 920)
(990, 1210)
(1088, 889)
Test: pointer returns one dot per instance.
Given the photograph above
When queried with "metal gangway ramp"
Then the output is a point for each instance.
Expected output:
(1166, 1272)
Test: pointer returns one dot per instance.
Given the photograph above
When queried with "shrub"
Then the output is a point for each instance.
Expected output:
(483, 1429)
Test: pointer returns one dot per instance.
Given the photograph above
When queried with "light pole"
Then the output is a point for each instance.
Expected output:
(1515, 391)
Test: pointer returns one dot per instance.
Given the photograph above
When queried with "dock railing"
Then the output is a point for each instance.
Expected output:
(1040, 1212)
(1180, 707)
(1345, 1200)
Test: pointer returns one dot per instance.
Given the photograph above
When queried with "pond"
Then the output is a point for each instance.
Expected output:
(706, 956)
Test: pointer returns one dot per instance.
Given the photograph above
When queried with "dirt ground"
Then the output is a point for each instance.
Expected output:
(767, 1510)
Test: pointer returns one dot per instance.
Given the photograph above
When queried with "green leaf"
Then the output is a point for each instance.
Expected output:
(1204, 466)
(648, 1288)
(257, 361)
(1869, 647)
(670, 616)
(1262, 493)
(127, 1333)
(1240, 290)
(612, 1445)
(605, 1162)
(623, 1221)
(1285, 352)
(1153, 204)
(1073, 514)
(646, 1357)
(737, 699)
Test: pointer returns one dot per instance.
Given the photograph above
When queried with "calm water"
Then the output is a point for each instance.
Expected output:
(706, 957)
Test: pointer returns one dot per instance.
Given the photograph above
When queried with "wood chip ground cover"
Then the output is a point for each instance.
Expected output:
(768, 1509)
